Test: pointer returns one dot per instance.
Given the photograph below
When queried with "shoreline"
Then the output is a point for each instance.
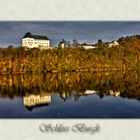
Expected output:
(70, 71)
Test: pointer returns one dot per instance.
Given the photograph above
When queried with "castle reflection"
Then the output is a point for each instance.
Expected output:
(37, 90)
(31, 101)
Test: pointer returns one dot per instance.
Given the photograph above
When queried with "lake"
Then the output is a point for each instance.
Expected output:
(113, 94)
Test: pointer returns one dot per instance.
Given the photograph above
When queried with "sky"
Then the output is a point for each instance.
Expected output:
(11, 33)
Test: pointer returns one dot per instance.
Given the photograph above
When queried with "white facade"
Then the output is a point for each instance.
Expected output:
(33, 100)
(87, 92)
(114, 93)
(89, 47)
(32, 41)
(35, 43)
(114, 43)
(62, 44)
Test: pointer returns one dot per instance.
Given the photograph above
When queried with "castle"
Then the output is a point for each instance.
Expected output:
(35, 41)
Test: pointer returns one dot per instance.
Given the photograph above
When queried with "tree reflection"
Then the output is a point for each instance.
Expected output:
(38, 89)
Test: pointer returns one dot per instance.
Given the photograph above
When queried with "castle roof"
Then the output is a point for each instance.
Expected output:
(30, 108)
(28, 34)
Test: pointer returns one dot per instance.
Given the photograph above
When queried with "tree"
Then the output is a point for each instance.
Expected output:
(75, 43)
(100, 42)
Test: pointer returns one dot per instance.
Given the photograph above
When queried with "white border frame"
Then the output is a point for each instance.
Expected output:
(67, 10)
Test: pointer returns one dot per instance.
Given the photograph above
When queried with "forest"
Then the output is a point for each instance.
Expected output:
(125, 56)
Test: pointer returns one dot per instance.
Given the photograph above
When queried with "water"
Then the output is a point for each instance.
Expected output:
(70, 95)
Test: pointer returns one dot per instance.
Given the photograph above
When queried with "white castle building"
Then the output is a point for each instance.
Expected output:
(35, 41)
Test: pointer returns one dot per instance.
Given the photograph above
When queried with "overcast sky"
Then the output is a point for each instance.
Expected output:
(11, 33)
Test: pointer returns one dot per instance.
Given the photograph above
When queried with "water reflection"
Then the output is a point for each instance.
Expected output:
(31, 101)
(38, 90)
(36, 100)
